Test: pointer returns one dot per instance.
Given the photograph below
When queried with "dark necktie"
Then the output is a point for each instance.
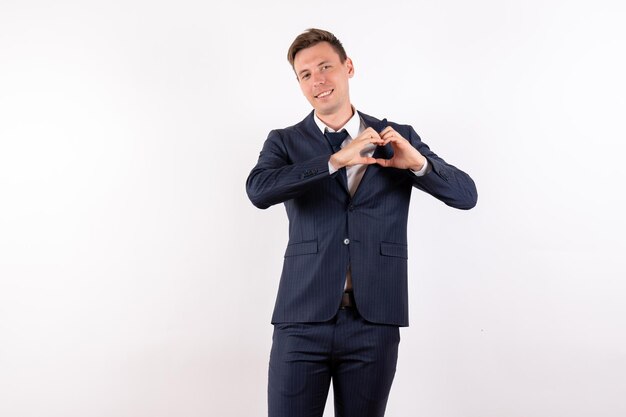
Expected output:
(336, 138)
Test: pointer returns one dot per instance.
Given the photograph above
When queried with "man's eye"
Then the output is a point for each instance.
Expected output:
(305, 76)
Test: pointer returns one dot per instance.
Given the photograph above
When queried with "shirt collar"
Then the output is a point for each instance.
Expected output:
(352, 126)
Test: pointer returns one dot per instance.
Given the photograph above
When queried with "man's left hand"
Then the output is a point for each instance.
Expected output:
(405, 156)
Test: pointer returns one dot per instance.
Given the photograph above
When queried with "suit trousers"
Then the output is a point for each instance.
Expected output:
(359, 358)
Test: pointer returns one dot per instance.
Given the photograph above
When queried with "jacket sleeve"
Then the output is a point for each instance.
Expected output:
(445, 182)
(276, 179)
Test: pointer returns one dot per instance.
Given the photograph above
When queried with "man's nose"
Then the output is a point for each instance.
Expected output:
(318, 79)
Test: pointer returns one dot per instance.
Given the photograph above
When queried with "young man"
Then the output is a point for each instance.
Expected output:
(345, 179)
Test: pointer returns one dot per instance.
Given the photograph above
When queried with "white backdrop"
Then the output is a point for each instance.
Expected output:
(136, 279)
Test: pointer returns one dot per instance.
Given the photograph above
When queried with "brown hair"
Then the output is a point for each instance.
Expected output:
(312, 37)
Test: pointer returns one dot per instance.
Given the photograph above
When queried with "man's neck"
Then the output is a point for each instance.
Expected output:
(336, 120)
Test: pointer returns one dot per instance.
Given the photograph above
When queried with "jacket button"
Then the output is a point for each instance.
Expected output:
(351, 207)
(346, 241)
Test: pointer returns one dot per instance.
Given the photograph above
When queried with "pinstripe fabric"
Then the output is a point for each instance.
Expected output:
(329, 230)
(359, 357)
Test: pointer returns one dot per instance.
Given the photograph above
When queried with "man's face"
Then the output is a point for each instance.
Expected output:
(324, 79)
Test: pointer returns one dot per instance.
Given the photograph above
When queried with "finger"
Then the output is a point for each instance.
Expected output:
(365, 142)
(391, 134)
(372, 137)
(387, 130)
(383, 162)
(394, 139)
(371, 130)
(369, 133)
(362, 160)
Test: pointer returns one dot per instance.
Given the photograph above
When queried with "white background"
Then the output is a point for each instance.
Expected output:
(136, 279)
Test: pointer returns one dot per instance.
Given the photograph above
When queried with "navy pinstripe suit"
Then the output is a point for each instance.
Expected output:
(329, 230)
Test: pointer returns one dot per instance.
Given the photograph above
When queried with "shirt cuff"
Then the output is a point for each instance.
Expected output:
(331, 168)
(419, 173)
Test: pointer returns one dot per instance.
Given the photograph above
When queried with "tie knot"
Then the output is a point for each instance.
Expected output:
(337, 138)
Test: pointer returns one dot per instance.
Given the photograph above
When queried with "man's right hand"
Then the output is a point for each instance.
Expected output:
(352, 154)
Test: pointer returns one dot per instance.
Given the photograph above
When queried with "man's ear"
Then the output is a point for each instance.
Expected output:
(350, 67)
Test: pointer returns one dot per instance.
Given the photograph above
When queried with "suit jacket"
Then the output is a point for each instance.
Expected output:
(330, 231)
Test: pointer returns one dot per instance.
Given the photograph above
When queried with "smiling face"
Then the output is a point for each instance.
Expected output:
(324, 79)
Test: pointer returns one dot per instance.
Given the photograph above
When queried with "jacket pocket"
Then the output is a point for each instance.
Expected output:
(397, 250)
(301, 248)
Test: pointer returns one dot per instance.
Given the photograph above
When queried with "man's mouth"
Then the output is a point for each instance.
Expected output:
(324, 94)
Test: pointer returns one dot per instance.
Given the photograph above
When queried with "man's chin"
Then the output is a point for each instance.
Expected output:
(325, 110)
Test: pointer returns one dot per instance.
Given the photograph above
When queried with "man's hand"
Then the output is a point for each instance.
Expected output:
(405, 156)
(352, 154)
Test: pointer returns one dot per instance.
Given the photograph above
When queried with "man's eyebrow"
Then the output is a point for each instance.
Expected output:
(306, 69)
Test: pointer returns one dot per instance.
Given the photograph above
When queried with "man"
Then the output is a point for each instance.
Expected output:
(345, 179)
